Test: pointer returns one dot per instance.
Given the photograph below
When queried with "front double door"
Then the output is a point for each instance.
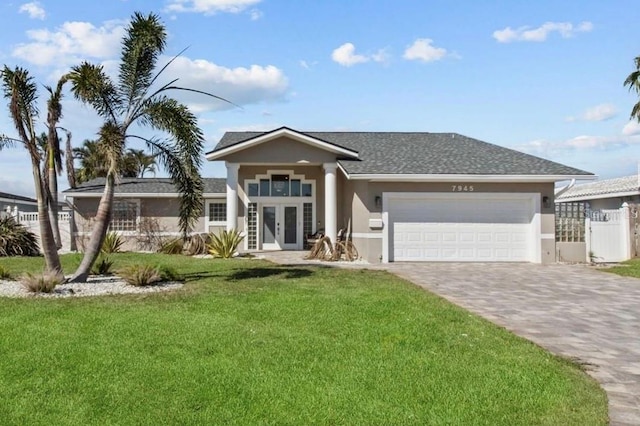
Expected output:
(280, 227)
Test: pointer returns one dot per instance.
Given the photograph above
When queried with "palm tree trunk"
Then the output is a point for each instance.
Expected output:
(53, 201)
(102, 220)
(51, 258)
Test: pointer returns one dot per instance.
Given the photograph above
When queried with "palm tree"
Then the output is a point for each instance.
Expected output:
(633, 82)
(92, 161)
(141, 162)
(131, 100)
(20, 89)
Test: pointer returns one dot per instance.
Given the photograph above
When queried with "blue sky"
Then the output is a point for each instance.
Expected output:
(543, 77)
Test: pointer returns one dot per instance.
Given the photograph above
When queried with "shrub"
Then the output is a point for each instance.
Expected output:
(172, 246)
(141, 275)
(112, 243)
(5, 274)
(225, 244)
(102, 266)
(44, 283)
(16, 240)
(197, 244)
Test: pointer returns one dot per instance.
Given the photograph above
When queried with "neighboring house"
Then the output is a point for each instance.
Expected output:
(24, 204)
(145, 206)
(604, 194)
(406, 196)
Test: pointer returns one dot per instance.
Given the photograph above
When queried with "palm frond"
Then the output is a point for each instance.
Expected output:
(143, 43)
(21, 91)
(90, 84)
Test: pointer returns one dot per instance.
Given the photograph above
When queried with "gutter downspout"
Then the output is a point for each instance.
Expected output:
(561, 191)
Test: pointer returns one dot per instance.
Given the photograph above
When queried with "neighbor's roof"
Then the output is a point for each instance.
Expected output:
(6, 195)
(145, 186)
(424, 154)
(618, 187)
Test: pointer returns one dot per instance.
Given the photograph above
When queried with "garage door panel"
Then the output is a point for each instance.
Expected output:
(461, 230)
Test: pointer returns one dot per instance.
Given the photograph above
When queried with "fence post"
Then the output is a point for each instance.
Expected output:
(626, 230)
(587, 237)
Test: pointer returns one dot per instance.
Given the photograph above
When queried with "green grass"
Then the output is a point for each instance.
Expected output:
(630, 268)
(249, 342)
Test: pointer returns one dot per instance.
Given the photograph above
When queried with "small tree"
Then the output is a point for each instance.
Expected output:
(633, 83)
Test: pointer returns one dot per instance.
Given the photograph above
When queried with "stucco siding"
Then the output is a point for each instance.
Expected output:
(282, 151)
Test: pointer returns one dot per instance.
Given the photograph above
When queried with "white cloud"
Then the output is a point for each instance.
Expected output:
(211, 7)
(346, 56)
(602, 112)
(71, 43)
(423, 50)
(239, 85)
(255, 14)
(631, 128)
(34, 10)
(565, 29)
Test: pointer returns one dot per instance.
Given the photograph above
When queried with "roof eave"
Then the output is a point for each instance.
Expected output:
(300, 137)
(587, 197)
(140, 194)
(462, 177)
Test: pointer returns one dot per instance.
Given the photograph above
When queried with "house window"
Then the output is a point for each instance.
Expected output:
(218, 212)
(570, 224)
(279, 185)
(124, 216)
(252, 226)
(307, 218)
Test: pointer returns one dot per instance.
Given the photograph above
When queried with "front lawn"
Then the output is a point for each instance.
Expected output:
(630, 268)
(249, 342)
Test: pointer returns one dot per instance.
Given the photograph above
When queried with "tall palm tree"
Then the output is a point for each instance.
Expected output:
(20, 89)
(141, 162)
(633, 82)
(131, 100)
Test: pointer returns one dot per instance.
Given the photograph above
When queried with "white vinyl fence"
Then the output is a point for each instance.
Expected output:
(608, 235)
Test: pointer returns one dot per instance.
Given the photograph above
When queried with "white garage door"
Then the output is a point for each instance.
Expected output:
(461, 227)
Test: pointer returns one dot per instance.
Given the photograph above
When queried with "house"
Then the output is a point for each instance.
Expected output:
(23, 204)
(145, 208)
(405, 196)
(604, 194)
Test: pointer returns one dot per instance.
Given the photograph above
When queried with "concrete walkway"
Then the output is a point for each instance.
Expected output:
(575, 311)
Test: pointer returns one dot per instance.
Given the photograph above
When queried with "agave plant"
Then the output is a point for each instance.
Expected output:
(16, 240)
(112, 243)
(226, 244)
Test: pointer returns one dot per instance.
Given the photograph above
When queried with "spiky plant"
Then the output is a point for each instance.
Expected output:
(112, 243)
(225, 245)
(140, 275)
(16, 240)
(41, 283)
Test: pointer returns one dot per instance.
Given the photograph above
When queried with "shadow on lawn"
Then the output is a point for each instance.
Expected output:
(285, 271)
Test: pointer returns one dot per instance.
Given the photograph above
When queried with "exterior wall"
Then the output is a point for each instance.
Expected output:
(282, 151)
(572, 252)
(160, 216)
(362, 195)
(612, 203)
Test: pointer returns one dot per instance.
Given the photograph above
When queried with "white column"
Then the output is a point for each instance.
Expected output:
(232, 195)
(330, 201)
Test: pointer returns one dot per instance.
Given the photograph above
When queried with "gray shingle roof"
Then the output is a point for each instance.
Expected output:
(425, 153)
(146, 186)
(17, 197)
(603, 187)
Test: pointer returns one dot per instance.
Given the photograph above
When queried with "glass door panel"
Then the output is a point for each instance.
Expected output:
(290, 225)
(269, 225)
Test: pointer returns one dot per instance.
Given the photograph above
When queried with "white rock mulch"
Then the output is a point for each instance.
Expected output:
(95, 286)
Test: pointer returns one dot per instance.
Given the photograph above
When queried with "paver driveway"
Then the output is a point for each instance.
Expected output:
(571, 310)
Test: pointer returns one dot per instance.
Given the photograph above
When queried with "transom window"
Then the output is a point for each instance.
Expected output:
(279, 185)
